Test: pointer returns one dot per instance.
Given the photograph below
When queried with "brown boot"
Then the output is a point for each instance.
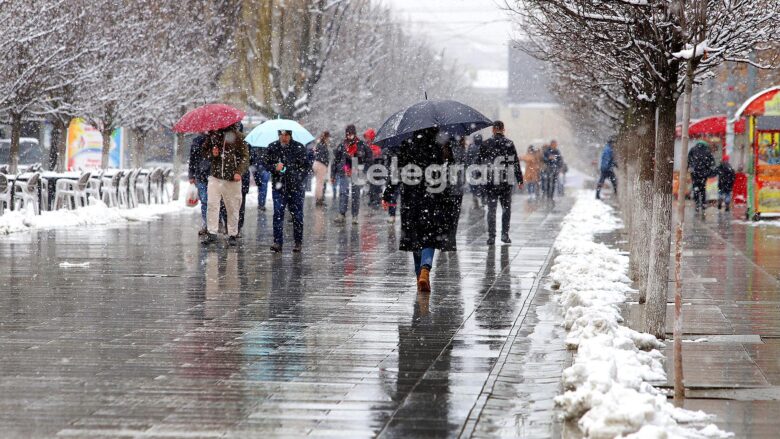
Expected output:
(424, 281)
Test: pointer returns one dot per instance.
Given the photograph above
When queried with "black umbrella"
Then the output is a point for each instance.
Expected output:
(449, 116)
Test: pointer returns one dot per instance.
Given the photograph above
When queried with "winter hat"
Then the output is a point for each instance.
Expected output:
(725, 158)
(370, 134)
(350, 129)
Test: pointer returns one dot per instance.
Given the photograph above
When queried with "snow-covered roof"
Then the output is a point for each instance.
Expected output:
(495, 79)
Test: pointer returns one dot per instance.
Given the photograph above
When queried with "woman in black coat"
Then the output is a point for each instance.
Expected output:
(429, 215)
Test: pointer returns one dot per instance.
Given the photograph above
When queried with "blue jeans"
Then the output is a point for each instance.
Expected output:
(292, 201)
(345, 183)
(423, 258)
(204, 199)
(394, 201)
(724, 197)
(261, 176)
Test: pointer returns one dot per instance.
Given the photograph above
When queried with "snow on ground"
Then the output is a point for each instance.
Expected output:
(96, 213)
(608, 389)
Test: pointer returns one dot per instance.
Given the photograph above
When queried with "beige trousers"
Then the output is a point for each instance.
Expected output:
(320, 174)
(230, 193)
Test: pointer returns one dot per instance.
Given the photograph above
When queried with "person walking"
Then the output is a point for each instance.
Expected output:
(198, 172)
(426, 218)
(374, 190)
(472, 158)
(533, 167)
(320, 167)
(349, 161)
(454, 155)
(392, 191)
(244, 191)
(553, 161)
(726, 178)
(260, 174)
(701, 164)
(229, 156)
(289, 168)
(607, 168)
(499, 154)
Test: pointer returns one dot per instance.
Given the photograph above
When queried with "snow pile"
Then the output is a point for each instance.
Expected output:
(96, 213)
(608, 388)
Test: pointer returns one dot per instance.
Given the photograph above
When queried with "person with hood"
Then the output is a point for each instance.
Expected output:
(726, 178)
(289, 166)
(607, 168)
(349, 161)
(427, 218)
(701, 164)
(198, 172)
(500, 155)
(472, 159)
(533, 167)
(321, 157)
(374, 190)
(229, 156)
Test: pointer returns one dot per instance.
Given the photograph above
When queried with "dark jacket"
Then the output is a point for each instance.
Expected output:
(553, 160)
(199, 166)
(700, 161)
(496, 147)
(427, 217)
(321, 153)
(608, 158)
(726, 177)
(296, 166)
(342, 157)
(232, 157)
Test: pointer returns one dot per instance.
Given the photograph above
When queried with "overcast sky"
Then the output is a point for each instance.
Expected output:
(476, 32)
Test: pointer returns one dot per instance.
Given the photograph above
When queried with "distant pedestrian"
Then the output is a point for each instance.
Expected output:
(533, 167)
(244, 191)
(374, 190)
(260, 174)
(726, 178)
(349, 161)
(553, 161)
(701, 164)
(454, 155)
(607, 168)
(472, 158)
(500, 155)
(289, 168)
(391, 192)
(229, 156)
(561, 186)
(198, 173)
(320, 167)
(426, 215)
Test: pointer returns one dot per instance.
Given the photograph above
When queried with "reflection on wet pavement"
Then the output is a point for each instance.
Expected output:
(161, 337)
(731, 316)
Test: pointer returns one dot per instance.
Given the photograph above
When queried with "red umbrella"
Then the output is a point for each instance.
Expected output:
(209, 117)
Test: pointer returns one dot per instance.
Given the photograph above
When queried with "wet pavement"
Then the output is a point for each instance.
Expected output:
(731, 318)
(159, 337)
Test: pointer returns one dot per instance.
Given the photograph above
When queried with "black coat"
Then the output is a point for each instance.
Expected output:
(428, 218)
(321, 152)
(700, 162)
(296, 166)
(726, 177)
(199, 166)
(493, 148)
(553, 160)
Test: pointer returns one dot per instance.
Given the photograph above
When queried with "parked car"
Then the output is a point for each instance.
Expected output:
(30, 151)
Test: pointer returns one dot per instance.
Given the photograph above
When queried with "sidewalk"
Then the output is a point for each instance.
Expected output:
(731, 321)
(160, 337)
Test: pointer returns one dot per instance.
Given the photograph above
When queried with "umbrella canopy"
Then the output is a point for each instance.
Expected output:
(450, 116)
(209, 117)
(268, 132)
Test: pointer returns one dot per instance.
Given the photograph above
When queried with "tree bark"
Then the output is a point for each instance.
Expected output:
(16, 133)
(644, 214)
(62, 147)
(106, 147)
(660, 244)
(139, 149)
(178, 159)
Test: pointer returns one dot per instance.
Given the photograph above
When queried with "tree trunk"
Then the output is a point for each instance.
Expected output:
(661, 232)
(16, 133)
(178, 159)
(106, 148)
(644, 213)
(139, 149)
(60, 136)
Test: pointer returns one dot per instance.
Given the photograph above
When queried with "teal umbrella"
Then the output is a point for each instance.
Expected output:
(268, 132)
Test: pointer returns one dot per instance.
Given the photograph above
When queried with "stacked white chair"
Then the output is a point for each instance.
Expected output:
(155, 178)
(93, 186)
(72, 193)
(110, 187)
(142, 187)
(167, 177)
(5, 193)
(26, 193)
(124, 190)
